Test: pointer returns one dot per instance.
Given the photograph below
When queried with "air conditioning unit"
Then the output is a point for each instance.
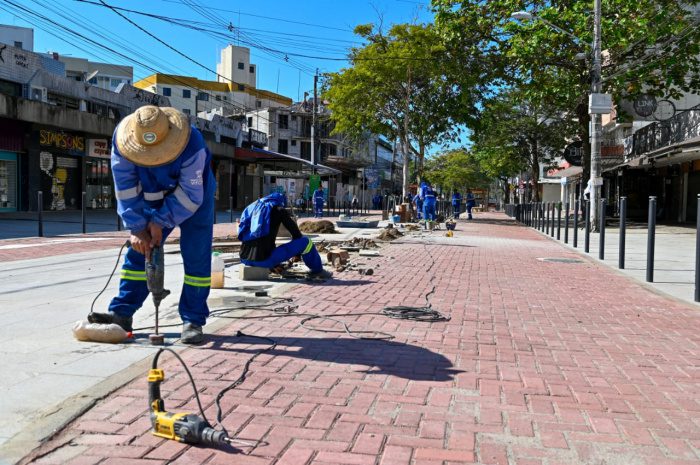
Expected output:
(39, 93)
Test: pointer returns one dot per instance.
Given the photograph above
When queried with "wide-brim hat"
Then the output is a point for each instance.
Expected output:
(153, 136)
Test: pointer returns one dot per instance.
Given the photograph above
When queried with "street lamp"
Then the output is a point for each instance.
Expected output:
(594, 107)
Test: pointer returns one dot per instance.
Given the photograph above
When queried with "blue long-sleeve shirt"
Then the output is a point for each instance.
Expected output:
(166, 195)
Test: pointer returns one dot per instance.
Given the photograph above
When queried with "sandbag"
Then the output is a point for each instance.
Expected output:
(95, 332)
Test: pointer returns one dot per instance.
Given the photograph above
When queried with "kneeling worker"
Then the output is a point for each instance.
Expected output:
(163, 179)
(258, 230)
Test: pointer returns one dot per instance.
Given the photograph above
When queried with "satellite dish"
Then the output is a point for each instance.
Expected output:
(92, 75)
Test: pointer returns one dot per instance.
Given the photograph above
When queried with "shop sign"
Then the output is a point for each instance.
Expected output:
(573, 153)
(62, 140)
(257, 138)
(98, 148)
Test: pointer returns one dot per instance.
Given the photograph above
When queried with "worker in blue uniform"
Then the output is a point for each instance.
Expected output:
(429, 197)
(318, 202)
(456, 204)
(257, 232)
(163, 179)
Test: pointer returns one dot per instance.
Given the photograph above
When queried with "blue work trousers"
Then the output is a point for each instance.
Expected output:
(195, 245)
(318, 209)
(429, 209)
(457, 209)
(302, 246)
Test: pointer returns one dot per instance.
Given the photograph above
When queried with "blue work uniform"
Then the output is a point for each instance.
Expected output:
(456, 204)
(428, 203)
(471, 203)
(180, 193)
(318, 203)
(258, 229)
(419, 206)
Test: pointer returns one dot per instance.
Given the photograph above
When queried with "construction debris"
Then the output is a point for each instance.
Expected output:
(317, 227)
(338, 257)
(389, 234)
(412, 227)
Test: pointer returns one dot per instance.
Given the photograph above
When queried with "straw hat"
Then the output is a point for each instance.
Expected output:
(153, 136)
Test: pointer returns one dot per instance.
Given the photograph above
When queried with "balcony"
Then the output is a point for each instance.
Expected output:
(678, 129)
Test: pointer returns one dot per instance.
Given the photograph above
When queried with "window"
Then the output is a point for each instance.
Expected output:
(91, 81)
(217, 98)
(167, 91)
(252, 68)
(283, 121)
(294, 143)
(186, 111)
(282, 146)
(305, 150)
(186, 93)
(258, 103)
(19, 45)
(241, 65)
(203, 96)
(115, 82)
(241, 87)
(250, 121)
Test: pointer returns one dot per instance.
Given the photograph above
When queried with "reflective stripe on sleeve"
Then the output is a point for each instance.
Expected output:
(150, 196)
(197, 281)
(127, 194)
(184, 200)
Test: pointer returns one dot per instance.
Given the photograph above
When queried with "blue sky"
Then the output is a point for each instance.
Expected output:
(312, 28)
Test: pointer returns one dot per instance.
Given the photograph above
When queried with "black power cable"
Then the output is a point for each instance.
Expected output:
(126, 244)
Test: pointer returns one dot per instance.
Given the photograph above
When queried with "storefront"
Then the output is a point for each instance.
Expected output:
(99, 191)
(11, 148)
(58, 158)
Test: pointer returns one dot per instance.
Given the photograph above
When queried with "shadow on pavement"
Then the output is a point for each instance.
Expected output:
(381, 357)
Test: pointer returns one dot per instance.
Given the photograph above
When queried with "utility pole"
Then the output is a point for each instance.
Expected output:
(596, 118)
(313, 121)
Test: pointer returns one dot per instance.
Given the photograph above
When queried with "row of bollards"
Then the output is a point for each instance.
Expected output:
(542, 216)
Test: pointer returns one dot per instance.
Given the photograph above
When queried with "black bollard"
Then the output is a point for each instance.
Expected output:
(623, 230)
(119, 220)
(214, 211)
(559, 221)
(546, 223)
(82, 213)
(566, 224)
(601, 242)
(587, 238)
(651, 236)
(230, 207)
(39, 211)
(576, 207)
(542, 216)
(697, 254)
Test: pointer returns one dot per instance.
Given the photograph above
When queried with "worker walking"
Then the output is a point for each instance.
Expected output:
(471, 203)
(428, 196)
(456, 204)
(319, 199)
(258, 229)
(163, 179)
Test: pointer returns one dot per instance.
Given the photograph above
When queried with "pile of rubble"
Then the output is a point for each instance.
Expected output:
(317, 227)
(389, 234)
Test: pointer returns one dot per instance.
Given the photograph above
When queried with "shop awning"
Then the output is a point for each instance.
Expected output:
(569, 172)
(281, 162)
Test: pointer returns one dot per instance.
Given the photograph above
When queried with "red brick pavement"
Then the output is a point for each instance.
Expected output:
(38, 247)
(541, 363)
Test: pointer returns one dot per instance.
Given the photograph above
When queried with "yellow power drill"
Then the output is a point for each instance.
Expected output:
(183, 427)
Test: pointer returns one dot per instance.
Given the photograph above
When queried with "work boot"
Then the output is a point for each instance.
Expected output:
(108, 318)
(323, 274)
(191, 334)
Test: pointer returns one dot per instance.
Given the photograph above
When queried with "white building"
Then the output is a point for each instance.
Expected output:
(234, 90)
(108, 76)
(20, 37)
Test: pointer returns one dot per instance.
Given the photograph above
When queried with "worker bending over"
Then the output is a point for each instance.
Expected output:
(258, 230)
(163, 179)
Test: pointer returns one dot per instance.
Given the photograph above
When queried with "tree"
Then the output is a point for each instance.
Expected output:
(456, 169)
(398, 86)
(651, 47)
(515, 135)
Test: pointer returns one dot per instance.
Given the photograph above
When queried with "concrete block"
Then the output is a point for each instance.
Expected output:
(253, 273)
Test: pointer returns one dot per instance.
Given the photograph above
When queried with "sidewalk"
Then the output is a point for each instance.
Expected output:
(541, 363)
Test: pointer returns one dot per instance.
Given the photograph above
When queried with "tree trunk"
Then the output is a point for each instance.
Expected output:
(406, 165)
